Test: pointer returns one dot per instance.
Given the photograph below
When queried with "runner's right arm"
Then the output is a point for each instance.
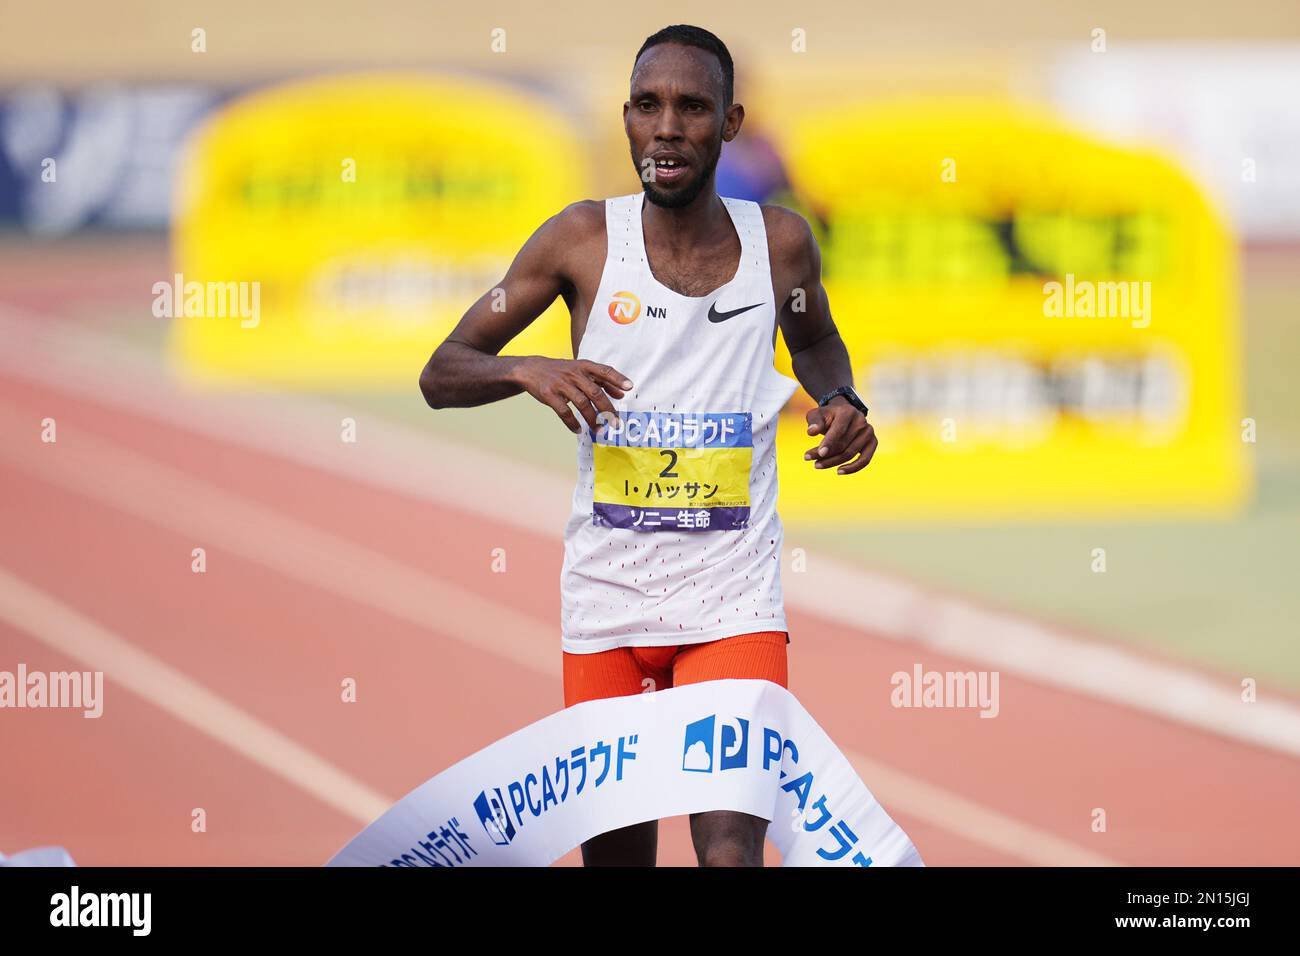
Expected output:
(467, 370)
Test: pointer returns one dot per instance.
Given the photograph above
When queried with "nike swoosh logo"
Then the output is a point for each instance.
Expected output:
(716, 316)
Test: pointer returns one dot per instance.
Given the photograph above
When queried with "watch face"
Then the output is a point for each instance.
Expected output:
(852, 396)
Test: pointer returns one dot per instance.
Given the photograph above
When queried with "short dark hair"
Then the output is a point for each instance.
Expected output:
(685, 35)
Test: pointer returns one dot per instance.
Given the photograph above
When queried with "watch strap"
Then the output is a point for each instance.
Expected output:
(848, 392)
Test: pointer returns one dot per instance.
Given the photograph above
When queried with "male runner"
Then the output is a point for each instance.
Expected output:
(672, 552)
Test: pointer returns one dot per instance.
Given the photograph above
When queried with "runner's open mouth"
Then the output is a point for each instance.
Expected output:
(670, 168)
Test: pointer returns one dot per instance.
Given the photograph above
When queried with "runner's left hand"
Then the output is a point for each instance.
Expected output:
(849, 440)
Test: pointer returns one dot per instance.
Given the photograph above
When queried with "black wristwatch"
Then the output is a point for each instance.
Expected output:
(847, 392)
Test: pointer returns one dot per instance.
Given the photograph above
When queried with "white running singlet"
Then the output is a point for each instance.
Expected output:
(674, 536)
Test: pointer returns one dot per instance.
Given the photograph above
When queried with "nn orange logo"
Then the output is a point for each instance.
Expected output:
(624, 308)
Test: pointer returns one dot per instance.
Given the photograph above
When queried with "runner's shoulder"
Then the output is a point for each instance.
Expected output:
(790, 238)
(580, 221)
(576, 229)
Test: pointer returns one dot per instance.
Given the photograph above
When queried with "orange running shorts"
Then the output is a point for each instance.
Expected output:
(635, 670)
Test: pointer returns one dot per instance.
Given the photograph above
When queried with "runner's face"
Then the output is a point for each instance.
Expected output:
(676, 122)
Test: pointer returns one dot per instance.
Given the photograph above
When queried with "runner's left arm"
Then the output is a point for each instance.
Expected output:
(818, 354)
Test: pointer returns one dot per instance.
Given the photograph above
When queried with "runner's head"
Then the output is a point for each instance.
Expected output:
(680, 112)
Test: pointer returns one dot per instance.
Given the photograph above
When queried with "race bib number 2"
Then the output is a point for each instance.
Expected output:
(673, 471)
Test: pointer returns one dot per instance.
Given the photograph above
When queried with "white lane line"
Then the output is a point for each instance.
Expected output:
(114, 476)
(289, 426)
(58, 626)
(1011, 644)
(164, 496)
(429, 468)
(978, 824)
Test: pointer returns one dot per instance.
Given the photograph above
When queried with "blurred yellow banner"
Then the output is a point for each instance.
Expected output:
(360, 216)
(1042, 323)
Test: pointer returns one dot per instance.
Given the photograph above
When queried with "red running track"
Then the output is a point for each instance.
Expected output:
(122, 789)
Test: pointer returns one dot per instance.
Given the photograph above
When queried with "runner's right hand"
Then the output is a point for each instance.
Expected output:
(558, 383)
